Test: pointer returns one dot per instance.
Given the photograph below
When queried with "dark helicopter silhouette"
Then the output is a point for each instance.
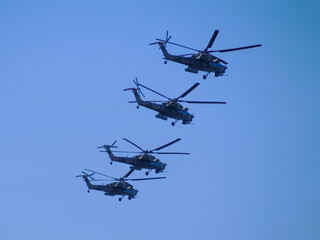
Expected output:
(119, 187)
(142, 161)
(170, 108)
(203, 60)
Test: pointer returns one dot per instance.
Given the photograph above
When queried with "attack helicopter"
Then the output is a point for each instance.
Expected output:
(203, 60)
(120, 187)
(170, 108)
(141, 161)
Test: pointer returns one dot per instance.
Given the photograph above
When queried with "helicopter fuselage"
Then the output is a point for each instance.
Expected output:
(145, 161)
(197, 62)
(168, 109)
(115, 188)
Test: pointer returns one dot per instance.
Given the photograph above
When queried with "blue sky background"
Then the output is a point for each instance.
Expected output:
(253, 172)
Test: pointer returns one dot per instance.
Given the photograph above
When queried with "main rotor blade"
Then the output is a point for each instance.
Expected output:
(170, 153)
(213, 38)
(128, 173)
(148, 101)
(236, 49)
(134, 144)
(141, 179)
(152, 152)
(188, 91)
(203, 102)
(154, 91)
(166, 145)
(101, 180)
(100, 174)
(193, 49)
(123, 151)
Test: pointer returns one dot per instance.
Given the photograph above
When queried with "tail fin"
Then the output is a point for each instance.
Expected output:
(112, 157)
(166, 55)
(163, 44)
(85, 177)
(137, 92)
(107, 149)
(136, 95)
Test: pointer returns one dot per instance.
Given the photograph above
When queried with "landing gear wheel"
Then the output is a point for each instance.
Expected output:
(88, 191)
(110, 163)
(147, 173)
(173, 123)
(165, 62)
(204, 76)
(138, 107)
(120, 199)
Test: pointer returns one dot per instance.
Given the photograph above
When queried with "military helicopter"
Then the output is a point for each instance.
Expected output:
(203, 60)
(141, 161)
(170, 108)
(120, 187)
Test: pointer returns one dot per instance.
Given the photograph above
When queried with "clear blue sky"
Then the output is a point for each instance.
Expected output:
(253, 172)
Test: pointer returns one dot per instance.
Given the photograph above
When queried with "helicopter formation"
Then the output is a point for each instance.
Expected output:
(202, 60)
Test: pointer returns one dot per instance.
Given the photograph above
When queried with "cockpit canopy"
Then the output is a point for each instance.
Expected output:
(172, 104)
(145, 157)
(203, 56)
(120, 185)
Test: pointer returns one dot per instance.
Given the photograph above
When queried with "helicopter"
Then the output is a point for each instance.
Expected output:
(141, 161)
(170, 108)
(120, 187)
(203, 60)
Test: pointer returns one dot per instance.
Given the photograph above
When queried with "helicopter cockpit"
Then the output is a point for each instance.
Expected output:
(172, 104)
(120, 185)
(203, 56)
(145, 157)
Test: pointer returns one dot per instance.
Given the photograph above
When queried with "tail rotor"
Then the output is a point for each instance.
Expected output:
(87, 175)
(107, 147)
(167, 39)
(138, 87)
(160, 41)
